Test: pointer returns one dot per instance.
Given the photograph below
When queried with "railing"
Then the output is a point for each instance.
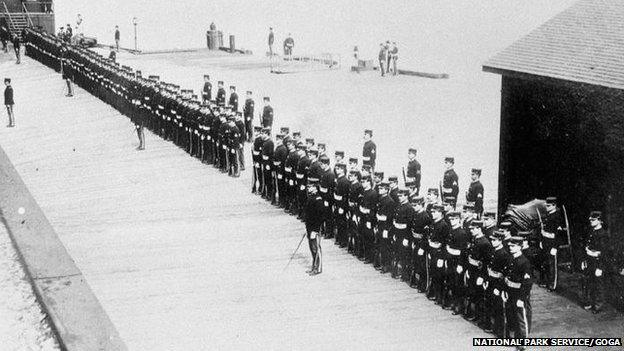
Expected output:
(11, 24)
(32, 25)
(38, 6)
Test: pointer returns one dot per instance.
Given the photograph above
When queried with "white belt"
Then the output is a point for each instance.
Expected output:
(453, 251)
(400, 225)
(256, 153)
(382, 218)
(473, 262)
(512, 284)
(592, 253)
(366, 158)
(276, 163)
(265, 157)
(299, 176)
(364, 210)
(548, 235)
(337, 197)
(323, 190)
(494, 274)
(288, 169)
(417, 235)
(279, 176)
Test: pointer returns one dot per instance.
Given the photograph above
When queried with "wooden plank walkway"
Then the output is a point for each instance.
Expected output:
(183, 257)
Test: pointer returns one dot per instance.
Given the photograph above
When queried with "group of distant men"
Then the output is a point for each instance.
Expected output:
(464, 261)
(388, 57)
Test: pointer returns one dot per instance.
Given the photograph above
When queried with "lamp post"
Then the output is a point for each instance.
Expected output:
(135, 22)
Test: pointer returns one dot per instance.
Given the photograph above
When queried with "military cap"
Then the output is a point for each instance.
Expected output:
(449, 198)
(355, 172)
(412, 151)
(449, 159)
(194, 96)
(551, 200)
(410, 184)
(7, 80)
(393, 179)
(468, 207)
(403, 192)
(515, 240)
(366, 168)
(301, 146)
(206, 76)
(190, 91)
(153, 77)
(324, 159)
(232, 87)
(595, 215)
(368, 131)
(417, 200)
(498, 235)
(476, 223)
(279, 136)
(341, 166)
(476, 171)
(249, 92)
(313, 182)
(266, 130)
(296, 134)
(284, 130)
(339, 153)
(433, 191)
(437, 207)
(230, 118)
(489, 215)
(310, 140)
(366, 178)
(313, 151)
(384, 184)
(220, 82)
(379, 175)
(288, 140)
(138, 73)
(353, 160)
(266, 98)
(454, 214)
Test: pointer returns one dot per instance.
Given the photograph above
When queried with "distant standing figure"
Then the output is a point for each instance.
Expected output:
(8, 101)
(289, 43)
(267, 113)
(271, 41)
(79, 29)
(394, 53)
(4, 37)
(16, 47)
(68, 33)
(207, 90)
(383, 53)
(388, 56)
(117, 36)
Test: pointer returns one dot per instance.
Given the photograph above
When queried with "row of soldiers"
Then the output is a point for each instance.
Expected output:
(211, 130)
(422, 240)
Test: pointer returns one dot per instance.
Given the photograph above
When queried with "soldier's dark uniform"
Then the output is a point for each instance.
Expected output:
(450, 187)
(420, 245)
(474, 195)
(385, 212)
(518, 279)
(341, 203)
(355, 193)
(301, 175)
(551, 238)
(233, 101)
(313, 221)
(267, 114)
(369, 151)
(413, 175)
(326, 188)
(437, 241)
(394, 188)
(233, 141)
(456, 247)
(220, 94)
(593, 265)
(279, 161)
(290, 169)
(367, 217)
(402, 236)
(256, 156)
(495, 286)
(479, 255)
(206, 90)
(248, 112)
(268, 148)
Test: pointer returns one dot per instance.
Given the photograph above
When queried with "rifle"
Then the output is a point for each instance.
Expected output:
(504, 300)
(294, 252)
(404, 177)
(567, 229)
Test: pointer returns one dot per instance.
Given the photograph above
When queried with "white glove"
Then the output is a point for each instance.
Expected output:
(583, 265)
(598, 272)
(479, 281)
(553, 251)
(440, 263)
(459, 269)
(496, 292)
(340, 211)
(520, 303)
(326, 203)
(384, 234)
(312, 235)
(368, 225)
(405, 242)
(421, 252)
(504, 296)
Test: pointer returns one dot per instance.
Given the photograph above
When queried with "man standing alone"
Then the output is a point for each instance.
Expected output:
(117, 36)
(271, 41)
(8, 101)
(383, 53)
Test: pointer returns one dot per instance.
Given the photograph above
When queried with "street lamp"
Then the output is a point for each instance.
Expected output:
(135, 22)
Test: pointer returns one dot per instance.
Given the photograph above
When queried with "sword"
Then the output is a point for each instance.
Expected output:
(294, 252)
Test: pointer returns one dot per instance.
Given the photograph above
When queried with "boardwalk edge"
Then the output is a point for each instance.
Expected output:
(77, 317)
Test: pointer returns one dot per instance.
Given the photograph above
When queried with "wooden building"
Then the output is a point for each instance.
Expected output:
(17, 14)
(562, 114)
